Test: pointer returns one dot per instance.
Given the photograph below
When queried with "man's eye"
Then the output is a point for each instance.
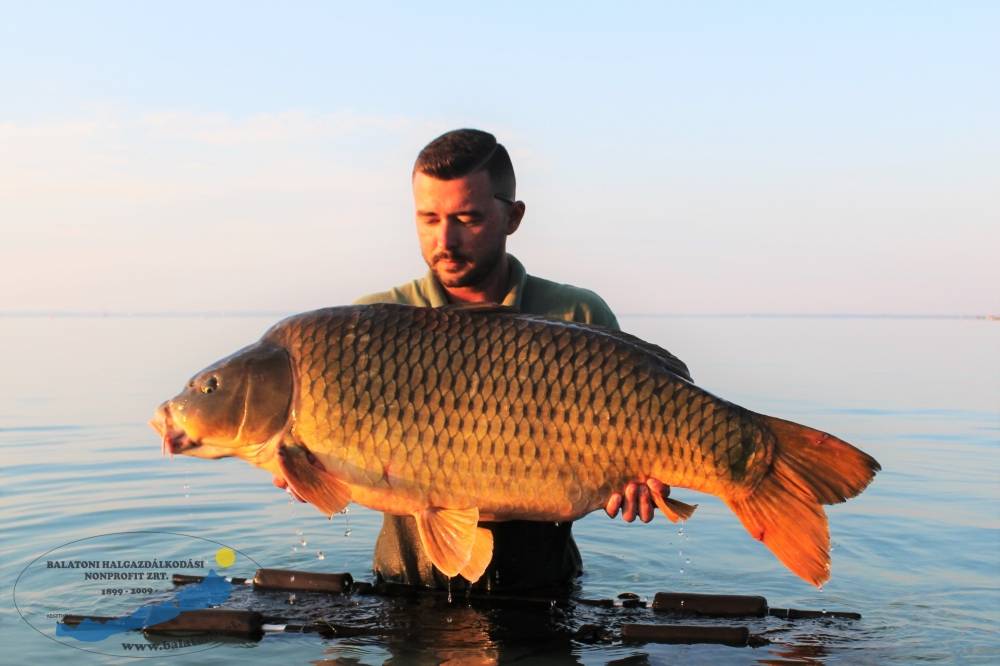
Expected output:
(469, 219)
(210, 385)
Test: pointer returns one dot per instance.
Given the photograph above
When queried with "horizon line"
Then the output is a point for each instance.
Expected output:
(122, 314)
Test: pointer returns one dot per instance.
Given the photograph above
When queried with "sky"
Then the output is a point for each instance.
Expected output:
(685, 158)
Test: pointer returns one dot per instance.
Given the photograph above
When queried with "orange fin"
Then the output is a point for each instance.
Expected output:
(482, 553)
(308, 479)
(809, 468)
(448, 537)
(673, 509)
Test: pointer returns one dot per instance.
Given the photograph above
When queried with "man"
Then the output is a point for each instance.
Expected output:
(464, 193)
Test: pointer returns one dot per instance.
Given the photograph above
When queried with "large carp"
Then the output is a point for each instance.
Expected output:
(456, 415)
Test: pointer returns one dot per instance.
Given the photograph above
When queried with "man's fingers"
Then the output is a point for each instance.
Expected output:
(628, 513)
(645, 505)
(614, 505)
(658, 487)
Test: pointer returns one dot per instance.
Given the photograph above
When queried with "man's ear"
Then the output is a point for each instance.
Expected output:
(515, 217)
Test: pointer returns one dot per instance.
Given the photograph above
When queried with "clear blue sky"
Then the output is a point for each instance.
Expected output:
(695, 157)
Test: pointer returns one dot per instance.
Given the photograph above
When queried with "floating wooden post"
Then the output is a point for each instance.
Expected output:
(288, 580)
(239, 623)
(687, 634)
(710, 605)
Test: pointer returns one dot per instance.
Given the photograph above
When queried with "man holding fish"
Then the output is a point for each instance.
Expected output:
(464, 196)
(485, 421)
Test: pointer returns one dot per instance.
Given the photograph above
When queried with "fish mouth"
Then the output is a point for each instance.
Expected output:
(175, 440)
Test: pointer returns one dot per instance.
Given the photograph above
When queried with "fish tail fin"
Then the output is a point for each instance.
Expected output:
(809, 468)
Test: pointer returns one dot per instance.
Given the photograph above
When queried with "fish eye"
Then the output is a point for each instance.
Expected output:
(210, 385)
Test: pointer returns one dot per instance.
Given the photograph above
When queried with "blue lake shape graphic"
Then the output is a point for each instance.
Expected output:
(211, 591)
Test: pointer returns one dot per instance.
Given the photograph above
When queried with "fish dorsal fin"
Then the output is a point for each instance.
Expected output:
(672, 363)
(311, 481)
(482, 553)
(448, 537)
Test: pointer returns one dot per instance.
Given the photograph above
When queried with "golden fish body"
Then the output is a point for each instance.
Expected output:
(522, 417)
(455, 415)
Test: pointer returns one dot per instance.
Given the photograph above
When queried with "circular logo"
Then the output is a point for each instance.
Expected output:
(101, 593)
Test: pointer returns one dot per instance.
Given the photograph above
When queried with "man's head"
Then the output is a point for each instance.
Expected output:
(463, 191)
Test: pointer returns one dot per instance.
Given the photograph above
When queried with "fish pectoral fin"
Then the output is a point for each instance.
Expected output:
(308, 479)
(449, 537)
(482, 554)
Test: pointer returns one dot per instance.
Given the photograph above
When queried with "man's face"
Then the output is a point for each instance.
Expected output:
(462, 228)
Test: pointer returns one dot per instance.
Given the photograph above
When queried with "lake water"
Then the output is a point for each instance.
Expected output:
(917, 554)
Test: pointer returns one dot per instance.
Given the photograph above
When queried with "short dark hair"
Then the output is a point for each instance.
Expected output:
(462, 152)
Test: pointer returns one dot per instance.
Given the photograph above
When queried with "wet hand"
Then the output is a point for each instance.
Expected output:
(636, 499)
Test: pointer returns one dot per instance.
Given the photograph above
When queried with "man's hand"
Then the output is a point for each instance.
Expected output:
(634, 500)
(640, 498)
(281, 483)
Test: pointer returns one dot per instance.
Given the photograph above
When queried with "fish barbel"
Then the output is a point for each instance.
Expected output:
(456, 415)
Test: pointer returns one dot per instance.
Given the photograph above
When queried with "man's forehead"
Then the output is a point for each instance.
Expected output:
(468, 191)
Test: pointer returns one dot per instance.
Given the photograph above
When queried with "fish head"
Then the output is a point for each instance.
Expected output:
(237, 406)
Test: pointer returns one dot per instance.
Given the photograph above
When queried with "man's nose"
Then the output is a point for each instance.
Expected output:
(448, 234)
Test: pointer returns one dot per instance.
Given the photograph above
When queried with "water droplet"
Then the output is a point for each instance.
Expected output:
(449, 592)
(320, 555)
(347, 532)
(682, 570)
(823, 611)
(680, 531)
(346, 510)
(291, 579)
(298, 532)
(291, 599)
(295, 549)
(448, 619)
(683, 601)
(687, 560)
(303, 542)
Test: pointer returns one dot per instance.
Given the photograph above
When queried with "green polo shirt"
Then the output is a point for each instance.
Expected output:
(526, 555)
(527, 293)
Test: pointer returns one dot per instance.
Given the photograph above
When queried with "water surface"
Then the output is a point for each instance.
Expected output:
(918, 554)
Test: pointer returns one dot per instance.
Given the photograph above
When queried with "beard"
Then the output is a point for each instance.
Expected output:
(469, 276)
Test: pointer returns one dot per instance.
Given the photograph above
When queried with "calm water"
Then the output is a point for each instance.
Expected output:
(918, 554)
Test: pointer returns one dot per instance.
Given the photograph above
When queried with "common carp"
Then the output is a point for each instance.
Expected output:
(462, 414)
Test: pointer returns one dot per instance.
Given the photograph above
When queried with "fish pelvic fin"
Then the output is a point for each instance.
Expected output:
(809, 468)
(311, 481)
(449, 537)
(482, 554)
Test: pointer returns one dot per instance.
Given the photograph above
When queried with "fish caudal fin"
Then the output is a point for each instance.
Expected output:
(809, 468)
(454, 542)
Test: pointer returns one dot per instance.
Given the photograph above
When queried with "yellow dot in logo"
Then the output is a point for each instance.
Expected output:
(226, 557)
